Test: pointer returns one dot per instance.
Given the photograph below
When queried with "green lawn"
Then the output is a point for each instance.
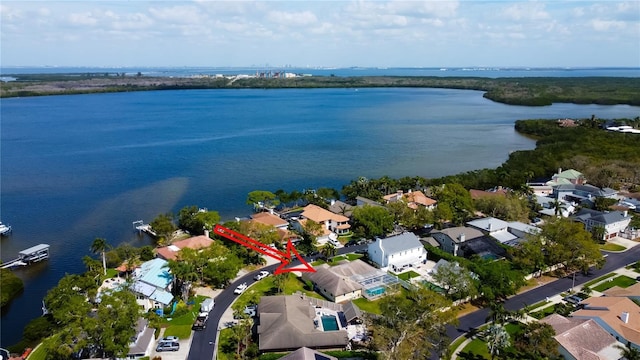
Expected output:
(590, 283)
(352, 257)
(612, 247)
(181, 331)
(622, 281)
(267, 287)
(38, 354)
(368, 306)
(543, 312)
(408, 275)
(537, 305)
(225, 345)
(479, 347)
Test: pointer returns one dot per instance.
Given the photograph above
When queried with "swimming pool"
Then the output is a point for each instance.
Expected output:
(376, 291)
(329, 323)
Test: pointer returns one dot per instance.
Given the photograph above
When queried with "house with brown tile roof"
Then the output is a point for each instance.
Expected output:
(196, 243)
(582, 339)
(619, 316)
(330, 222)
(289, 322)
(267, 218)
(632, 292)
(413, 199)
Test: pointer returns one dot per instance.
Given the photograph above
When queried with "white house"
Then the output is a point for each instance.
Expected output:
(613, 222)
(152, 284)
(397, 252)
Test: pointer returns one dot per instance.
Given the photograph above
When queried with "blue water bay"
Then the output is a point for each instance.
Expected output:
(78, 167)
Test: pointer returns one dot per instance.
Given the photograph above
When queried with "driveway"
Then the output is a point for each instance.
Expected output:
(181, 354)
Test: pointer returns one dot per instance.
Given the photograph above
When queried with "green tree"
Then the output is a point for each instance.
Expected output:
(376, 220)
(113, 324)
(509, 208)
(10, 286)
(535, 341)
(280, 282)
(497, 339)
(311, 230)
(458, 200)
(196, 220)
(401, 332)
(328, 251)
(629, 352)
(456, 280)
(568, 243)
(328, 194)
(261, 199)
(163, 226)
(100, 246)
(529, 256)
(497, 279)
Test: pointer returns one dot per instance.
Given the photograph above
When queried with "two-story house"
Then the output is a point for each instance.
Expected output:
(331, 223)
(413, 199)
(397, 252)
(152, 284)
(613, 222)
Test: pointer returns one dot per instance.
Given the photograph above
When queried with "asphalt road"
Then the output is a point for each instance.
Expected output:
(478, 318)
(200, 346)
(201, 349)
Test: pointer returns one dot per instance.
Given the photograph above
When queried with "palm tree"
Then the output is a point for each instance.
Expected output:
(328, 251)
(628, 352)
(497, 339)
(559, 206)
(100, 245)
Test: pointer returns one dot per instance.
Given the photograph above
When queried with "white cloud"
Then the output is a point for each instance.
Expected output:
(531, 11)
(606, 25)
(83, 19)
(284, 18)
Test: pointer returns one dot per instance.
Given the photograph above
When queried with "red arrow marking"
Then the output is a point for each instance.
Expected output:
(284, 258)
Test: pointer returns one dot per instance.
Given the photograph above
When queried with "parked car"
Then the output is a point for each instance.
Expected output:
(240, 289)
(170, 339)
(573, 299)
(168, 346)
(261, 275)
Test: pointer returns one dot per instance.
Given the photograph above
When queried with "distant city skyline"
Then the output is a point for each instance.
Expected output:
(320, 33)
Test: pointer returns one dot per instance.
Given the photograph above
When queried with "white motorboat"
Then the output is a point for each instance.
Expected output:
(4, 229)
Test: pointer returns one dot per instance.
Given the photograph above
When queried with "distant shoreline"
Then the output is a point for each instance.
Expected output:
(527, 91)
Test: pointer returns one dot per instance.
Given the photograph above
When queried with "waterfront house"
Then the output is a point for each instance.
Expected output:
(619, 316)
(397, 252)
(478, 194)
(339, 283)
(613, 222)
(304, 353)
(413, 199)
(341, 208)
(172, 251)
(331, 223)
(267, 218)
(289, 322)
(582, 339)
(152, 284)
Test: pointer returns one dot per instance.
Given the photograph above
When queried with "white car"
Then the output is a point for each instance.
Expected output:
(261, 275)
(240, 289)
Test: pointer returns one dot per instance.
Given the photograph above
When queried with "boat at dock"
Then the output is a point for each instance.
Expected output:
(5, 229)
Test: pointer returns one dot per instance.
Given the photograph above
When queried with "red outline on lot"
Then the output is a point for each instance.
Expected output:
(284, 258)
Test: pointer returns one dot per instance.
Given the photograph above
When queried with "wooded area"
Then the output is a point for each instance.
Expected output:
(531, 91)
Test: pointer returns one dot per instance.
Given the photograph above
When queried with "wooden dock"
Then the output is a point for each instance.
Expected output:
(28, 256)
(142, 227)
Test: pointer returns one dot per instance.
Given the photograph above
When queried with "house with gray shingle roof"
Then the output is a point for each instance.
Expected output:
(397, 252)
(304, 353)
(613, 222)
(287, 323)
(508, 233)
(337, 283)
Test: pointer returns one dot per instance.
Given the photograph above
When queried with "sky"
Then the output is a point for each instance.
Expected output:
(320, 33)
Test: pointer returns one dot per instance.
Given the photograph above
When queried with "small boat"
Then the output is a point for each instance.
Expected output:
(4, 229)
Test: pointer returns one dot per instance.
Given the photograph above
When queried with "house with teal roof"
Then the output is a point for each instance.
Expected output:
(152, 283)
